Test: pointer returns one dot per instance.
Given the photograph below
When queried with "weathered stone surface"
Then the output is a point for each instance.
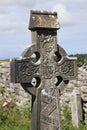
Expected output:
(76, 107)
(84, 89)
(51, 75)
(44, 19)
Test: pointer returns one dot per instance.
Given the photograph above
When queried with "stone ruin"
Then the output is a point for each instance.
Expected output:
(47, 77)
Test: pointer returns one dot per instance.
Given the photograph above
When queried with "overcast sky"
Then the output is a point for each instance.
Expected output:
(14, 20)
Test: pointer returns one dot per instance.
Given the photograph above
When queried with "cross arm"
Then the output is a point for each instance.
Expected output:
(23, 70)
(67, 68)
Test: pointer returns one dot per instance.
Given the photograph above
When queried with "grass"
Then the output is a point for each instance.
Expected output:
(14, 119)
(7, 60)
(67, 120)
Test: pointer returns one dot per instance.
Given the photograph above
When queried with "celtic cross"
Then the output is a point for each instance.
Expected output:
(45, 78)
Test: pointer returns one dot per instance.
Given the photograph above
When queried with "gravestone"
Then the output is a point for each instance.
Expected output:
(76, 108)
(45, 78)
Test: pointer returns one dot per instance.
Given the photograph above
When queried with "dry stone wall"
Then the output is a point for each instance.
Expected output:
(80, 84)
(9, 90)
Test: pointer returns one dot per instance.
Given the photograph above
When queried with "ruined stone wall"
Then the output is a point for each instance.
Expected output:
(79, 84)
(9, 90)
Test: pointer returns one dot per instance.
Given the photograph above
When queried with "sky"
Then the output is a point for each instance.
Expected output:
(14, 22)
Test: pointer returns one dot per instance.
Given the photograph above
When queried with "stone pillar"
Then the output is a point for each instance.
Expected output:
(76, 108)
(84, 100)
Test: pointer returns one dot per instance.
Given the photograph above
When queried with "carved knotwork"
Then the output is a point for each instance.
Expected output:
(47, 77)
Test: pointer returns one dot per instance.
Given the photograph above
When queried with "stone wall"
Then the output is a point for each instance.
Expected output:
(9, 90)
(16, 92)
(80, 84)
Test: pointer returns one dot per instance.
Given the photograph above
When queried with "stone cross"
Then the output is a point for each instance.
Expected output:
(45, 78)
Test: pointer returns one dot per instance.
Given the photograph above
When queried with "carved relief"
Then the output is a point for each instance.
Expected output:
(25, 70)
(48, 114)
(47, 70)
(47, 21)
(67, 68)
(47, 43)
(36, 20)
(47, 38)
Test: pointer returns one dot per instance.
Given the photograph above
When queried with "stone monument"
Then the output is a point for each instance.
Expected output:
(45, 78)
